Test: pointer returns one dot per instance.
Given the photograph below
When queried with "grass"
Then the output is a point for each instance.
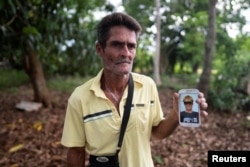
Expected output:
(11, 79)
(66, 83)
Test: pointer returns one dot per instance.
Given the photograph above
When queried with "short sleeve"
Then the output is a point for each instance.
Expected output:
(73, 130)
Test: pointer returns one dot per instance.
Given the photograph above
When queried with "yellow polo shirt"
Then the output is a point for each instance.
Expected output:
(92, 121)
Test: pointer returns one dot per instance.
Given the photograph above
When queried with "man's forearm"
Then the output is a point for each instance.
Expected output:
(76, 157)
(165, 127)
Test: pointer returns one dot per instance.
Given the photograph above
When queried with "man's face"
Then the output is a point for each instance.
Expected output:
(120, 50)
(188, 105)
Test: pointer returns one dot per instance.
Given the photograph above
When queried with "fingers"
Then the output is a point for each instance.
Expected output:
(201, 94)
(204, 113)
(203, 104)
(176, 96)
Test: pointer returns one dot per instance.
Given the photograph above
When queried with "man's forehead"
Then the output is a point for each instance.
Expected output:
(121, 33)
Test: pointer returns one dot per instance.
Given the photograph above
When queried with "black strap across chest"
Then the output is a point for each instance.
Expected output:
(126, 114)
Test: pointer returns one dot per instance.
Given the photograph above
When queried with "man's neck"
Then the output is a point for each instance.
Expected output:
(115, 83)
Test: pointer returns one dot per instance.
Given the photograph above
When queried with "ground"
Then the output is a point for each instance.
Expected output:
(30, 139)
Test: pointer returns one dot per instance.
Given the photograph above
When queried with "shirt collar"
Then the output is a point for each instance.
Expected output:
(96, 85)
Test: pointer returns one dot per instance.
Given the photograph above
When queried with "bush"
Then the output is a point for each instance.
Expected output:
(228, 91)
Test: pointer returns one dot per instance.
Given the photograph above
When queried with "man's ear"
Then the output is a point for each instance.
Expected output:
(98, 48)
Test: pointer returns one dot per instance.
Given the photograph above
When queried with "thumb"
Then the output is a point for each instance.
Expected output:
(175, 102)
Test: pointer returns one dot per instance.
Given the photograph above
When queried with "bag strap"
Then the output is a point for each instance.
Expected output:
(126, 114)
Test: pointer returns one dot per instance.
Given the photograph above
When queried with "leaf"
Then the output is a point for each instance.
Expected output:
(58, 142)
(12, 6)
(16, 148)
(185, 145)
(30, 30)
(159, 159)
(14, 165)
(20, 120)
(1, 4)
(38, 126)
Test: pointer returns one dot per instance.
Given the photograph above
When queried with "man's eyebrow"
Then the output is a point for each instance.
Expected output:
(122, 43)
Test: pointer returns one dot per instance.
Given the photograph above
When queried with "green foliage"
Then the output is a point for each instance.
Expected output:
(62, 33)
(158, 159)
(143, 60)
(227, 91)
(231, 74)
(144, 17)
(10, 78)
(183, 38)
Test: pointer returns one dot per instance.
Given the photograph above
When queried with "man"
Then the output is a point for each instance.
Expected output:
(189, 116)
(95, 109)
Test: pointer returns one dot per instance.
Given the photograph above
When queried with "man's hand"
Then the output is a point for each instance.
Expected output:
(203, 104)
(76, 157)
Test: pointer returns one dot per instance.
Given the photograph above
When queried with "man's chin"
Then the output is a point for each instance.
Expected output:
(124, 72)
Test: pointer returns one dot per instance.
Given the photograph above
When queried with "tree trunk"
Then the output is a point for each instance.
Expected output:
(33, 68)
(203, 84)
(158, 44)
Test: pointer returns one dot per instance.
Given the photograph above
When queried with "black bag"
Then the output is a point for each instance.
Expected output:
(103, 161)
(113, 161)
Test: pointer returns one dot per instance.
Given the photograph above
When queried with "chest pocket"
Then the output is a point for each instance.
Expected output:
(142, 116)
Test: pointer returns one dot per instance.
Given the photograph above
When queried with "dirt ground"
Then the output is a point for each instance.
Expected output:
(31, 139)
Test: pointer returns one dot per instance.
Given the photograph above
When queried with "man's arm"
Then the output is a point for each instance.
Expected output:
(168, 125)
(76, 157)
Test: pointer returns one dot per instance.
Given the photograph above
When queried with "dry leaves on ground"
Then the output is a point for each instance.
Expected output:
(30, 139)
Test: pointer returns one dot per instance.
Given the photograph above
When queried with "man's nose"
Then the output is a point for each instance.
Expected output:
(125, 50)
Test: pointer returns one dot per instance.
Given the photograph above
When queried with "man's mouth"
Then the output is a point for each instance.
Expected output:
(122, 61)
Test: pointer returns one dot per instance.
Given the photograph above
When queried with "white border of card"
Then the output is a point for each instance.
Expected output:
(194, 94)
